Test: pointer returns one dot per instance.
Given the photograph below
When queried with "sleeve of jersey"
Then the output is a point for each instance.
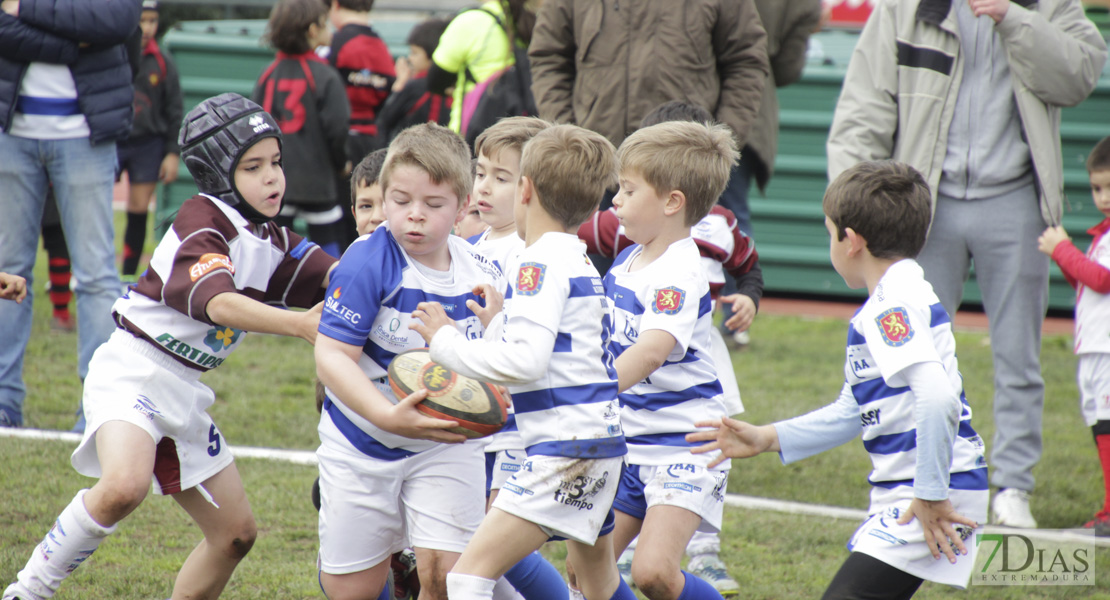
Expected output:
(936, 415)
(453, 51)
(201, 270)
(674, 306)
(823, 429)
(298, 281)
(601, 234)
(1077, 267)
(355, 293)
(898, 336)
(519, 359)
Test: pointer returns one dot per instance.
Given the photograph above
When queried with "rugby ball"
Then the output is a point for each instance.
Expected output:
(479, 407)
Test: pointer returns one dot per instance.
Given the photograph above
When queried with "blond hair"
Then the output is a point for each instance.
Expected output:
(510, 133)
(886, 202)
(569, 168)
(437, 151)
(693, 158)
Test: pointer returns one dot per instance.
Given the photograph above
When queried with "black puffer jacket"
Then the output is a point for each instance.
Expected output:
(86, 35)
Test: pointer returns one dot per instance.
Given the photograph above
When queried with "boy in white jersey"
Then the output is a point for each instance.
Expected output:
(222, 269)
(1090, 276)
(384, 479)
(902, 394)
(552, 355)
(671, 176)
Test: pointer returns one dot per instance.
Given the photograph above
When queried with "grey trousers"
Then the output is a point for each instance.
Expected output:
(999, 235)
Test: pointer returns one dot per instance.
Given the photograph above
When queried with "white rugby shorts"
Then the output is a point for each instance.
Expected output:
(903, 546)
(505, 464)
(371, 508)
(131, 380)
(1094, 387)
(695, 488)
(566, 497)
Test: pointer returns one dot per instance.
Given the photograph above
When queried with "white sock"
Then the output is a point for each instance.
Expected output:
(73, 539)
(503, 590)
(703, 543)
(469, 587)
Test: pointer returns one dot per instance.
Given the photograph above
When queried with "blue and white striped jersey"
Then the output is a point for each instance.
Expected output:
(902, 324)
(369, 303)
(503, 252)
(671, 294)
(552, 355)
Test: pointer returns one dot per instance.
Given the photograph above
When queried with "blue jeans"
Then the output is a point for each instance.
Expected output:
(82, 175)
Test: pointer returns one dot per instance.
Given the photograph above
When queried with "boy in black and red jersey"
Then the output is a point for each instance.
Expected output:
(367, 69)
(150, 154)
(307, 99)
(222, 269)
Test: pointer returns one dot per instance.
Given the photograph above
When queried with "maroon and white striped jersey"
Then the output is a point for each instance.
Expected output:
(211, 249)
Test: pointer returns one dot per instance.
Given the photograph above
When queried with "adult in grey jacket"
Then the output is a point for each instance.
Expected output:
(969, 93)
(65, 98)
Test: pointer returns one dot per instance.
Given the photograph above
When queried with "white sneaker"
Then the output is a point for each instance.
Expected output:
(1010, 508)
(710, 568)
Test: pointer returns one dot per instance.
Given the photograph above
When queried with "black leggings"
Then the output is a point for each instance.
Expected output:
(864, 577)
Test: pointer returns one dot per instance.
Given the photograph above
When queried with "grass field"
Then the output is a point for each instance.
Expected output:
(264, 398)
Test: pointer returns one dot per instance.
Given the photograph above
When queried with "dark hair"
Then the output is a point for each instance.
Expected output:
(886, 202)
(368, 171)
(356, 5)
(287, 29)
(676, 110)
(522, 19)
(1099, 158)
(425, 35)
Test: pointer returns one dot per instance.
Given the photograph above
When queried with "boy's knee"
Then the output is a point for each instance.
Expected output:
(653, 581)
(110, 501)
(238, 539)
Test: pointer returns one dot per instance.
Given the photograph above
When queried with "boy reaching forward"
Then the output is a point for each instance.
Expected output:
(223, 269)
(553, 358)
(384, 479)
(902, 393)
(671, 175)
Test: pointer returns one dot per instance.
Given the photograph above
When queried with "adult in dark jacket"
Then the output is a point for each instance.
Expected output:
(65, 98)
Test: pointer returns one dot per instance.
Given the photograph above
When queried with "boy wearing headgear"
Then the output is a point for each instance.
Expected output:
(222, 269)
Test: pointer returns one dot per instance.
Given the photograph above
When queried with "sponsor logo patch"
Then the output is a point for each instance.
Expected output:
(894, 323)
(530, 279)
(668, 300)
(210, 262)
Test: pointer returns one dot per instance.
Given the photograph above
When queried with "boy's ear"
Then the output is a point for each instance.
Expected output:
(856, 242)
(461, 213)
(527, 191)
(675, 204)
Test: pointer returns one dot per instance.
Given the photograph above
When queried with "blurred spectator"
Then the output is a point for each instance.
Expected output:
(63, 106)
(150, 154)
(476, 45)
(366, 68)
(605, 64)
(411, 102)
(969, 93)
(307, 99)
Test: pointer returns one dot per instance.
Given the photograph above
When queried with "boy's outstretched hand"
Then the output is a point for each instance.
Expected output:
(431, 317)
(495, 300)
(735, 439)
(13, 287)
(404, 419)
(743, 311)
(937, 521)
(310, 323)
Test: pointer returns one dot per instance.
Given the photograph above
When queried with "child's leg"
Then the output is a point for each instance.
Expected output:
(596, 569)
(501, 541)
(229, 532)
(126, 455)
(864, 577)
(54, 242)
(656, 567)
(134, 236)
(361, 585)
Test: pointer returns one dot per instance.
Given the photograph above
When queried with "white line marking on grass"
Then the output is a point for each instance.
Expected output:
(305, 457)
